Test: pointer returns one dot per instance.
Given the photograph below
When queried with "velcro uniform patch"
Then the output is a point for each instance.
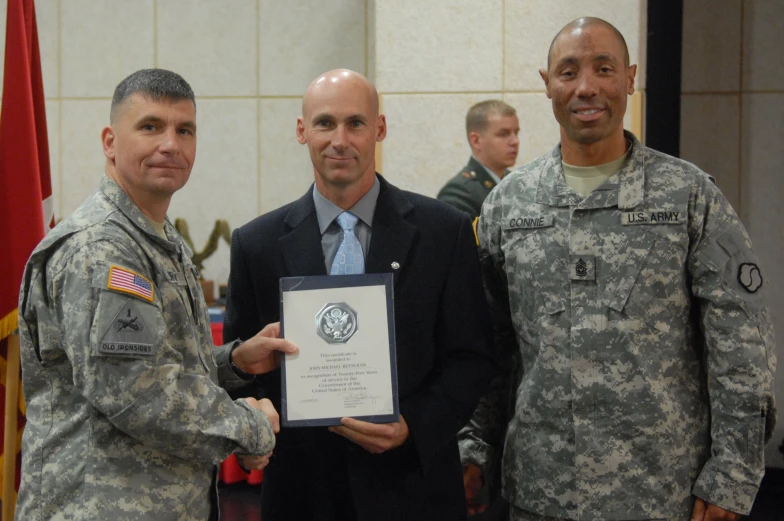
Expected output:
(128, 281)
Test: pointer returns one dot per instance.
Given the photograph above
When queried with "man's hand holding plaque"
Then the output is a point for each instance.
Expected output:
(373, 437)
(261, 353)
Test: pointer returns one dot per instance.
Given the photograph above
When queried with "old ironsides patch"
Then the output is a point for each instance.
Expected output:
(128, 334)
(336, 323)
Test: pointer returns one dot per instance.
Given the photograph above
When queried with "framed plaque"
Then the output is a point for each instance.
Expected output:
(344, 326)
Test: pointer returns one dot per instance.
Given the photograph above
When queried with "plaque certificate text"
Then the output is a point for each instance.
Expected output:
(345, 367)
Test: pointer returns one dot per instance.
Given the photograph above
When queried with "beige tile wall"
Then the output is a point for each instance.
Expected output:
(249, 62)
(732, 123)
(435, 58)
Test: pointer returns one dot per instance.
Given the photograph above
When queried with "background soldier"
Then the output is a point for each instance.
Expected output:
(492, 128)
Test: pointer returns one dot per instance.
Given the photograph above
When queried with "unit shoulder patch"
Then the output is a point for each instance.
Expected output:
(128, 334)
(128, 281)
(750, 277)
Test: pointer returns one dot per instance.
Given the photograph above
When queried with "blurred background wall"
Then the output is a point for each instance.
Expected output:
(732, 125)
(249, 62)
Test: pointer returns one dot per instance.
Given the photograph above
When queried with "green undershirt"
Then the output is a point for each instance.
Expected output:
(158, 227)
(586, 179)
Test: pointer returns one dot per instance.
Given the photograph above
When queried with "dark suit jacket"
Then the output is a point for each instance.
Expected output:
(444, 362)
(468, 189)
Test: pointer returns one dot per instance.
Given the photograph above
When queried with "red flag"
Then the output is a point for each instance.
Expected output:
(25, 184)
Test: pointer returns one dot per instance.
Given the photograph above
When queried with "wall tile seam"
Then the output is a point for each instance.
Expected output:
(469, 93)
(155, 33)
(367, 39)
(741, 207)
(60, 190)
(205, 98)
(733, 92)
(412, 93)
(259, 119)
(503, 44)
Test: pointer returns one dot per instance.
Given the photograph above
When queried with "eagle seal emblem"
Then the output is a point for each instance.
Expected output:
(336, 323)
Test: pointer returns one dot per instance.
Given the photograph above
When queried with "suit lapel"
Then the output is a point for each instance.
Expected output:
(392, 236)
(301, 247)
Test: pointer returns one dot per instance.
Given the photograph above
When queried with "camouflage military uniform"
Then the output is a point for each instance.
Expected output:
(124, 417)
(647, 349)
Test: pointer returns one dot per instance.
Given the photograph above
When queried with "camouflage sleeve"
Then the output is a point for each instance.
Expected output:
(160, 396)
(481, 440)
(227, 378)
(740, 361)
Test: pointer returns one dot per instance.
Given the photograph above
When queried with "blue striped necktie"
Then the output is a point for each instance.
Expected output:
(349, 260)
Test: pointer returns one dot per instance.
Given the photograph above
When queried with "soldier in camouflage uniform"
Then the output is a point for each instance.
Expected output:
(125, 416)
(637, 308)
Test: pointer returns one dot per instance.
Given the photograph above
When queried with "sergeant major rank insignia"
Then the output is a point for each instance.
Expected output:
(583, 267)
(336, 323)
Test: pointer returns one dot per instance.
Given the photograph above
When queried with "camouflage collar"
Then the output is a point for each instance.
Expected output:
(629, 183)
(128, 208)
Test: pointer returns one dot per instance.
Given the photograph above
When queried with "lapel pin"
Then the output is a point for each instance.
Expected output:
(395, 265)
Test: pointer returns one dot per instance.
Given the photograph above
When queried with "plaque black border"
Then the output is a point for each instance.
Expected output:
(342, 281)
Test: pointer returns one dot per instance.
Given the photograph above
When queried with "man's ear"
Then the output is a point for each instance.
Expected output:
(474, 140)
(632, 72)
(107, 140)
(301, 132)
(546, 79)
(381, 128)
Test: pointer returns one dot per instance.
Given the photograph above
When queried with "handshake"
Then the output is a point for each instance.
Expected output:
(258, 355)
(252, 461)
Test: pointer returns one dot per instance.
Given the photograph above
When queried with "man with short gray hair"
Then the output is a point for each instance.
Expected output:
(125, 416)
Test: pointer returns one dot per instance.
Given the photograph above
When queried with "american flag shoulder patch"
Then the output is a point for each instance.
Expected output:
(128, 281)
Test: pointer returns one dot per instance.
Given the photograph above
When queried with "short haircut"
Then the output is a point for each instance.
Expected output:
(478, 116)
(590, 21)
(153, 84)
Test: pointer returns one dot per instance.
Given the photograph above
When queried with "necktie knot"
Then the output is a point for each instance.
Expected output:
(347, 221)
